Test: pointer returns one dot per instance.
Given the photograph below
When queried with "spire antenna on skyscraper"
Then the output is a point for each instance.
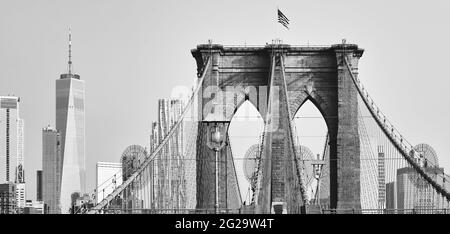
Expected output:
(70, 74)
(70, 50)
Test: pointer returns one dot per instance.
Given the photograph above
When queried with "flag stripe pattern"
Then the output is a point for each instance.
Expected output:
(282, 19)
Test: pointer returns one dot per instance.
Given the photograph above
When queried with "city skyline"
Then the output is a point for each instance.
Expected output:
(126, 60)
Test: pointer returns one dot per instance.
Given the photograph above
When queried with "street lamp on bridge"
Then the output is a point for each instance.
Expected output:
(216, 141)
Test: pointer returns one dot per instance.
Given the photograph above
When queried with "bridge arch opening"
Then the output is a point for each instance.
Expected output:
(245, 130)
(311, 136)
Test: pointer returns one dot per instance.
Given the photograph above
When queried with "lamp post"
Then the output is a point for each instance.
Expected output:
(216, 142)
(317, 167)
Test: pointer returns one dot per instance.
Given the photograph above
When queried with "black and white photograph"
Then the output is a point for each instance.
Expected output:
(224, 115)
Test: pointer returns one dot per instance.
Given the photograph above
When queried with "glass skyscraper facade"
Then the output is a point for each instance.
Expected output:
(39, 185)
(11, 140)
(51, 169)
(8, 198)
(70, 123)
(12, 147)
(413, 192)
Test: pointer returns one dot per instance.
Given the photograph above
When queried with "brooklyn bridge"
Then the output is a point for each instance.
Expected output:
(367, 165)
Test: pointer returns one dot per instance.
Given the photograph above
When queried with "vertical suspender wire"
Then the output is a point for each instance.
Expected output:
(410, 187)
(125, 199)
(413, 188)
(392, 172)
(149, 186)
(130, 195)
(386, 167)
(152, 184)
(133, 194)
(135, 197)
(409, 183)
(138, 193)
(374, 163)
(382, 149)
(398, 165)
(145, 188)
(433, 194)
(141, 191)
(379, 168)
(403, 180)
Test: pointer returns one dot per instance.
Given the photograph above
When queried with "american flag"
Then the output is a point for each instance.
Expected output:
(282, 19)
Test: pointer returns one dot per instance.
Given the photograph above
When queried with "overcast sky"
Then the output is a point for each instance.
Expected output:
(130, 53)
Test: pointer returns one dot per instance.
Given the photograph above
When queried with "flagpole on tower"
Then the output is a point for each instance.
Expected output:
(275, 28)
(278, 35)
(283, 20)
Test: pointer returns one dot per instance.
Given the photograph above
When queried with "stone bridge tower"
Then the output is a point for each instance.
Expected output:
(277, 79)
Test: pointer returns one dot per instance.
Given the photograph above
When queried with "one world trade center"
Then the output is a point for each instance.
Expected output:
(70, 122)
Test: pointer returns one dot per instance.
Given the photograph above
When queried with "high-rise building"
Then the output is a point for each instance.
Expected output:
(70, 122)
(414, 192)
(20, 197)
(12, 147)
(10, 124)
(39, 185)
(162, 186)
(20, 170)
(8, 198)
(163, 118)
(381, 179)
(109, 176)
(154, 142)
(391, 197)
(34, 207)
(51, 169)
(154, 137)
(168, 168)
